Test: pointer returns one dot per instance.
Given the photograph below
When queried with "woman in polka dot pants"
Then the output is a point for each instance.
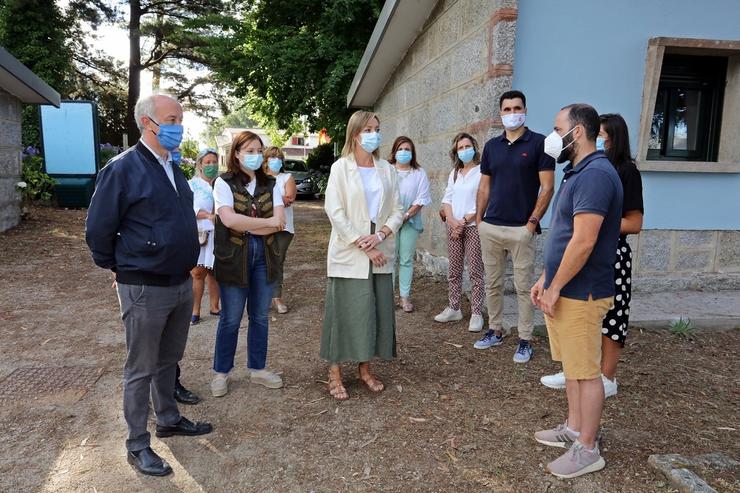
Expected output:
(614, 141)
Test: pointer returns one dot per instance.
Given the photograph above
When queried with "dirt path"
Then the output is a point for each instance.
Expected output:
(452, 418)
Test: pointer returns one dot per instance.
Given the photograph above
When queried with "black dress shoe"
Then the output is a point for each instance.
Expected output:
(146, 461)
(184, 427)
(184, 396)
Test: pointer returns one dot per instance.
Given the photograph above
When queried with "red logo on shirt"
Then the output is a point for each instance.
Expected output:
(524, 154)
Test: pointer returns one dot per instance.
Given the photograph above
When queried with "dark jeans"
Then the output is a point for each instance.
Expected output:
(157, 320)
(257, 298)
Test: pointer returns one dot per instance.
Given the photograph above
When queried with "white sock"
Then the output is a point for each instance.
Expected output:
(576, 433)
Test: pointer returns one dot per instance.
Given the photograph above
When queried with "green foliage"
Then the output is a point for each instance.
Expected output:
(296, 57)
(239, 118)
(189, 149)
(107, 152)
(321, 182)
(682, 328)
(39, 186)
(321, 157)
(35, 32)
(187, 169)
(98, 77)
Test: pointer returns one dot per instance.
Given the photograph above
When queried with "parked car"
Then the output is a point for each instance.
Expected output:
(305, 182)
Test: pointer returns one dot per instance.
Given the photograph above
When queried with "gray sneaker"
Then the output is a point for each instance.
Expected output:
(576, 462)
(220, 384)
(266, 377)
(560, 436)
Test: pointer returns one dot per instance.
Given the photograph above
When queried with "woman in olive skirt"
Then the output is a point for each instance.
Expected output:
(364, 208)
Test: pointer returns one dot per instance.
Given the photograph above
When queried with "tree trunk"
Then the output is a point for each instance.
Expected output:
(156, 53)
(134, 69)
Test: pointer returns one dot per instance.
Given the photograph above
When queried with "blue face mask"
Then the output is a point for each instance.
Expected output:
(403, 157)
(170, 134)
(370, 141)
(466, 155)
(176, 157)
(275, 164)
(600, 144)
(251, 161)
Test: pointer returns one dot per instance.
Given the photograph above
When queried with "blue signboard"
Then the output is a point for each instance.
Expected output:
(70, 139)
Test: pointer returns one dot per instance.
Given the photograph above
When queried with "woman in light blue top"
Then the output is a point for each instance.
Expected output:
(413, 185)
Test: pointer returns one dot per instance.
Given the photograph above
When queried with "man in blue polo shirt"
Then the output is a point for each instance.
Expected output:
(577, 287)
(515, 189)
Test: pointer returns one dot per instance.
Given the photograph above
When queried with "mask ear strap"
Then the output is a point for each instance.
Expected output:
(573, 140)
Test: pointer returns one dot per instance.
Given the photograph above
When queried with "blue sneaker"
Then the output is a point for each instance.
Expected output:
(524, 352)
(489, 340)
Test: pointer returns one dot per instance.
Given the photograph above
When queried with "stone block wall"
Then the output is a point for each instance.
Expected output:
(448, 82)
(10, 160)
(662, 260)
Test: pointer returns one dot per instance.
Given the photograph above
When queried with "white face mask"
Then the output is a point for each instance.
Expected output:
(512, 121)
(554, 144)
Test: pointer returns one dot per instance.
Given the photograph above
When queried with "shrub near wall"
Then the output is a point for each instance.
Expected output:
(38, 185)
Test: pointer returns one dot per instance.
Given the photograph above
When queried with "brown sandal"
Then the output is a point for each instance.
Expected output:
(336, 389)
(373, 383)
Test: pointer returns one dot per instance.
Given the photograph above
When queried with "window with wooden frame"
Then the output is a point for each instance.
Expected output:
(690, 106)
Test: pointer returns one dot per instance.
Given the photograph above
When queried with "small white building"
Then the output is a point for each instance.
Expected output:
(297, 147)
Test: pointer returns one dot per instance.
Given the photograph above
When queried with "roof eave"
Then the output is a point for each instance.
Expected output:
(21, 82)
(398, 26)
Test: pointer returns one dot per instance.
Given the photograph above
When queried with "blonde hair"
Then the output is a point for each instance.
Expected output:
(356, 123)
(272, 151)
(457, 164)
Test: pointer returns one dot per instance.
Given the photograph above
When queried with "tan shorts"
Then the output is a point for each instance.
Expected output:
(575, 336)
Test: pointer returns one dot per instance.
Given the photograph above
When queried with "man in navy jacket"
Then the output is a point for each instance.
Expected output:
(141, 225)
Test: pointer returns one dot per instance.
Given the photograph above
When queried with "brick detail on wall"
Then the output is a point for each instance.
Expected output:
(504, 14)
(500, 69)
(501, 32)
(449, 81)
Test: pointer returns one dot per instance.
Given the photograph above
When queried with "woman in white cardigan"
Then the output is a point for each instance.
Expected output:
(364, 208)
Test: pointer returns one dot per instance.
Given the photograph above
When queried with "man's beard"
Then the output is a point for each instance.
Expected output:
(567, 154)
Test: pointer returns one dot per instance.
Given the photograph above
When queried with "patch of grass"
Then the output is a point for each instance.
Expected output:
(682, 328)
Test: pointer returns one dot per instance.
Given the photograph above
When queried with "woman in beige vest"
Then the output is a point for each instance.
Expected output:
(364, 208)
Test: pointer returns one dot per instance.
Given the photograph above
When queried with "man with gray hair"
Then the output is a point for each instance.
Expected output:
(141, 226)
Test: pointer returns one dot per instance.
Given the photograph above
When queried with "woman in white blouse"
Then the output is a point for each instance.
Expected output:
(462, 234)
(273, 165)
(206, 170)
(363, 205)
(413, 186)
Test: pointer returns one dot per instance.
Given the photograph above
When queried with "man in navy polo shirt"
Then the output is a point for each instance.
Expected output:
(515, 189)
(577, 287)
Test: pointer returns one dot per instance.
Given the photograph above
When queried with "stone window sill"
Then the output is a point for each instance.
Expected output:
(688, 166)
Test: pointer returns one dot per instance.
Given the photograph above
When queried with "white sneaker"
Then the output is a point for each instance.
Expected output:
(610, 387)
(266, 377)
(556, 381)
(220, 385)
(476, 323)
(449, 315)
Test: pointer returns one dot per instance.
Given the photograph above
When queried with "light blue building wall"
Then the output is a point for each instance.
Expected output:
(594, 51)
